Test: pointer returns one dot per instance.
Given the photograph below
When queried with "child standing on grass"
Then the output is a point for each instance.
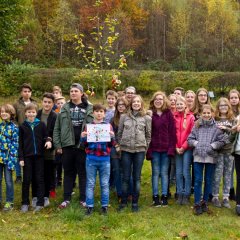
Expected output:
(8, 152)
(184, 123)
(234, 99)
(225, 120)
(206, 138)
(121, 106)
(134, 136)
(236, 153)
(48, 116)
(98, 160)
(33, 138)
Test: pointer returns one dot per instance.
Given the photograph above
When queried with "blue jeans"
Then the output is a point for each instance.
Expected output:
(8, 181)
(131, 165)
(103, 169)
(116, 170)
(160, 165)
(198, 179)
(183, 172)
(18, 169)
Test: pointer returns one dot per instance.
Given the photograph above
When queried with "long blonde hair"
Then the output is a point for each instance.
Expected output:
(182, 99)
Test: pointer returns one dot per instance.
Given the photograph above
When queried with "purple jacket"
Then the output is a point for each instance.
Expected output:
(163, 133)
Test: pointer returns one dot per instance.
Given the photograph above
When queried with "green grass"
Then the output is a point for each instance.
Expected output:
(149, 223)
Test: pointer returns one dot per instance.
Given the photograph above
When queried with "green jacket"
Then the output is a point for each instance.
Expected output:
(19, 106)
(63, 133)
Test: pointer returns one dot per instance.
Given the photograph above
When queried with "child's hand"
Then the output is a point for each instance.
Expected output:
(21, 163)
(181, 150)
(117, 147)
(84, 134)
(48, 145)
(222, 127)
(111, 133)
(59, 151)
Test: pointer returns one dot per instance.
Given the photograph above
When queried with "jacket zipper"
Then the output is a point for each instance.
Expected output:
(34, 142)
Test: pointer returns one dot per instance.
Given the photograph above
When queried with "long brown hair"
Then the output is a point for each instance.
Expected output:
(230, 114)
(235, 111)
(117, 114)
(197, 107)
(165, 105)
(142, 111)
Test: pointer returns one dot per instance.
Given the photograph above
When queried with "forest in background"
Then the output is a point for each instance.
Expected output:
(192, 35)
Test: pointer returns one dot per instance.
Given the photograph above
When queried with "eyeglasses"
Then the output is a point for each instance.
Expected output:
(223, 105)
(202, 95)
(121, 105)
(130, 93)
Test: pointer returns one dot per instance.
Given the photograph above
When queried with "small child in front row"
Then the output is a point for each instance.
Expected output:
(8, 152)
(225, 120)
(33, 138)
(98, 160)
(206, 138)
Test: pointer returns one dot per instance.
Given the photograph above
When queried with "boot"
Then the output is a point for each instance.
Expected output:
(232, 195)
(156, 202)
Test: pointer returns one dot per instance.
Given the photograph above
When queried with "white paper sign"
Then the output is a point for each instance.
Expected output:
(98, 133)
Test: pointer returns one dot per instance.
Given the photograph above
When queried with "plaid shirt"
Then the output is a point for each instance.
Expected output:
(99, 148)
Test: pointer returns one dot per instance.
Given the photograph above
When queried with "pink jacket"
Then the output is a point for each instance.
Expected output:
(182, 134)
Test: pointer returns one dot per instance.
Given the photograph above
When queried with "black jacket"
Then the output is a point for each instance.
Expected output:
(50, 121)
(31, 142)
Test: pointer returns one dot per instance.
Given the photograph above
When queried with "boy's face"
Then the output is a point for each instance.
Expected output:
(31, 114)
(4, 115)
(60, 103)
(75, 94)
(47, 104)
(111, 100)
(99, 115)
(57, 94)
(26, 93)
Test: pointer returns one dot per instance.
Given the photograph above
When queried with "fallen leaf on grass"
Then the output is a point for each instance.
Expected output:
(183, 235)
(4, 221)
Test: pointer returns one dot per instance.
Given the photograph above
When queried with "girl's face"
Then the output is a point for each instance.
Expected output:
(180, 106)
(4, 115)
(158, 102)
(190, 98)
(136, 104)
(234, 99)
(121, 107)
(223, 107)
(206, 114)
(172, 100)
(202, 97)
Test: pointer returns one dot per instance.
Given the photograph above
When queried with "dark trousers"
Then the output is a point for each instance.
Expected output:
(58, 169)
(74, 160)
(33, 171)
(49, 179)
(237, 166)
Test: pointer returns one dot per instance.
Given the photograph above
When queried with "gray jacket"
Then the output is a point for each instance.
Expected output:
(206, 139)
(134, 132)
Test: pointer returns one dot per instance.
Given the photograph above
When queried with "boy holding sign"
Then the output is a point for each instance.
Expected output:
(98, 148)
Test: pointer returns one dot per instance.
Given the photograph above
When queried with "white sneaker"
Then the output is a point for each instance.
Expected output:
(46, 202)
(34, 202)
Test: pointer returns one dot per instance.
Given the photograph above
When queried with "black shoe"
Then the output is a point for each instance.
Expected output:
(164, 200)
(197, 209)
(104, 210)
(156, 202)
(238, 210)
(121, 207)
(204, 206)
(135, 207)
(232, 195)
(89, 211)
(18, 180)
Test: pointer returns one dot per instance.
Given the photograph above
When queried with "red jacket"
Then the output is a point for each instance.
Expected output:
(182, 134)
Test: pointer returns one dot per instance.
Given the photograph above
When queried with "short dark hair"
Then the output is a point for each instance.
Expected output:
(48, 95)
(31, 106)
(26, 85)
(99, 106)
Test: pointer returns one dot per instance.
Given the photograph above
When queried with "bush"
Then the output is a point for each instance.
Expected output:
(146, 81)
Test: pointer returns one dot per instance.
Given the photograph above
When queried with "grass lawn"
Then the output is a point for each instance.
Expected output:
(148, 223)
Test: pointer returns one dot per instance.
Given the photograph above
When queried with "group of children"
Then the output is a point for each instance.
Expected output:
(180, 134)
